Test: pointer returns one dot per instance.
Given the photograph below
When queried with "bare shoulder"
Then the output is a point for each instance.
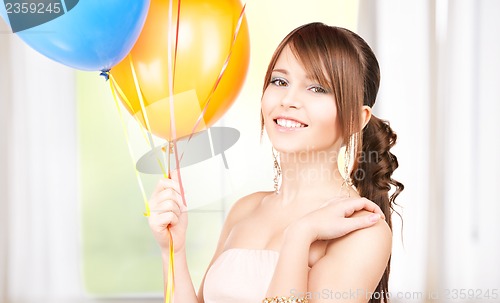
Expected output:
(356, 260)
(378, 238)
(245, 206)
(380, 230)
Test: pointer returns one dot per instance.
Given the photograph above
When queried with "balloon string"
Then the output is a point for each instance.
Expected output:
(219, 78)
(173, 134)
(147, 213)
(127, 139)
(141, 101)
(223, 70)
(127, 102)
(124, 98)
(169, 291)
(119, 91)
(176, 38)
(170, 66)
(177, 159)
(170, 275)
(169, 287)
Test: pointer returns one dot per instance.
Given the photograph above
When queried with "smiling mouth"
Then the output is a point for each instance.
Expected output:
(289, 123)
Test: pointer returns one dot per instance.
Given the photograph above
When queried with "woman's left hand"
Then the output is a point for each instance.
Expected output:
(334, 219)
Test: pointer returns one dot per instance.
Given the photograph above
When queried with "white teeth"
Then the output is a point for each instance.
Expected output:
(289, 123)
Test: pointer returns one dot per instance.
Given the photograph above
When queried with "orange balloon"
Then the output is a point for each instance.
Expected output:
(204, 42)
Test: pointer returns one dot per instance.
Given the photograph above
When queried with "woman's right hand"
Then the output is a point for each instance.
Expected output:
(336, 218)
(168, 211)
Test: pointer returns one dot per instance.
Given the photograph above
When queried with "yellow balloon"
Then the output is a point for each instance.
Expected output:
(202, 35)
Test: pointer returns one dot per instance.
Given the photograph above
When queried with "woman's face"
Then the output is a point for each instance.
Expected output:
(299, 114)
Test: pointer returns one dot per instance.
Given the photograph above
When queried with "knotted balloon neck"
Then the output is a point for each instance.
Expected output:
(105, 74)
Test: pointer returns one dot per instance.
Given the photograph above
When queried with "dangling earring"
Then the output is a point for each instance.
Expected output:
(277, 172)
(347, 183)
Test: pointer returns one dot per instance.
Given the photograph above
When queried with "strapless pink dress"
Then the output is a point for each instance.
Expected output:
(240, 276)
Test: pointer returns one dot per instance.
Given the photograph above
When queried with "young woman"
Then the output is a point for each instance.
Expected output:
(320, 236)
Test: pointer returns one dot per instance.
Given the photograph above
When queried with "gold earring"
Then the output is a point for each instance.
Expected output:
(347, 183)
(277, 172)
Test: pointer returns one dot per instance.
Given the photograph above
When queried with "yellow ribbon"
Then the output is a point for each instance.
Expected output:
(139, 180)
(147, 136)
(169, 287)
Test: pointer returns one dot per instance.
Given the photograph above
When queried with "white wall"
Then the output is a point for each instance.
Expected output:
(440, 74)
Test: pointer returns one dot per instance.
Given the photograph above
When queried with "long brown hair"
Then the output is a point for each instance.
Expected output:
(343, 63)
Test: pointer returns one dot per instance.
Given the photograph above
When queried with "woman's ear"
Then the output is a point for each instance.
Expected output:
(366, 114)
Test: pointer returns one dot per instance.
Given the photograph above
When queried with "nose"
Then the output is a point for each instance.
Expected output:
(291, 98)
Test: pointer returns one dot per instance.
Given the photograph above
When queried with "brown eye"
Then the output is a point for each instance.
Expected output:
(318, 89)
(279, 82)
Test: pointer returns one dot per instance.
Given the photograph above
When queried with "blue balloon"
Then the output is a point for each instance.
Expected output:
(87, 35)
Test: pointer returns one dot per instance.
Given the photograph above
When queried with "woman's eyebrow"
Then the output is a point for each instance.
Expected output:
(279, 70)
(285, 72)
